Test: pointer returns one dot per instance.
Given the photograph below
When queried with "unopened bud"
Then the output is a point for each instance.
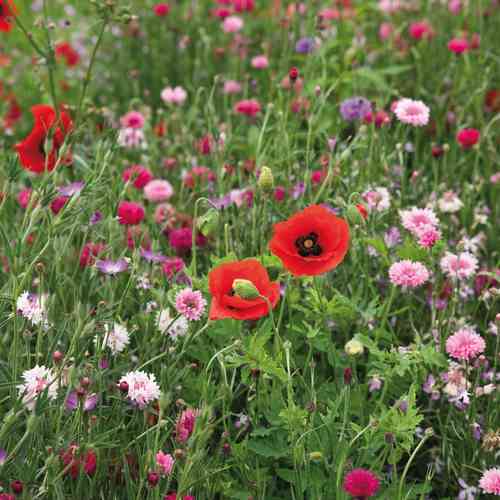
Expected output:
(266, 179)
(245, 289)
(208, 223)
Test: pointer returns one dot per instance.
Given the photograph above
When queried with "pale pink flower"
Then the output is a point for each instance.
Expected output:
(417, 218)
(490, 481)
(465, 344)
(142, 387)
(232, 87)
(185, 424)
(232, 24)
(165, 462)
(377, 199)
(131, 138)
(408, 274)
(412, 112)
(389, 6)
(190, 304)
(158, 190)
(450, 202)
(116, 338)
(133, 119)
(461, 266)
(176, 95)
(36, 381)
(385, 30)
(260, 62)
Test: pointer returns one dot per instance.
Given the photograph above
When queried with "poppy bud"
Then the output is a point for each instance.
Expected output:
(208, 223)
(245, 289)
(354, 347)
(315, 456)
(347, 376)
(266, 179)
(293, 74)
(153, 479)
(57, 356)
(354, 214)
(17, 486)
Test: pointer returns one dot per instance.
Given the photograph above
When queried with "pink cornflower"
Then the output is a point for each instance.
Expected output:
(465, 344)
(428, 236)
(133, 119)
(158, 190)
(142, 388)
(361, 483)
(408, 274)
(176, 95)
(412, 112)
(185, 424)
(377, 199)
(232, 24)
(460, 266)
(490, 481)
(36, 381)
(190, 303)
(232, 87)
(165, 462)
(417, 218)
(260, 62)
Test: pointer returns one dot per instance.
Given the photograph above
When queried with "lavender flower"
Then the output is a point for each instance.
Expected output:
(151, 256)
(71, 189)
(113, 267)
(3, 456)
(305, 45)
(95, 218)
(89, 401)
(355, 108)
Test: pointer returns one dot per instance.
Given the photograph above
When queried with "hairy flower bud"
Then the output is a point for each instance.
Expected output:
(266, 179)
(245, 289)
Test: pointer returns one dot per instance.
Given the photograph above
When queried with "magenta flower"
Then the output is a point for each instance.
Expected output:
(165, 462)
(361, 483)
(185, 424)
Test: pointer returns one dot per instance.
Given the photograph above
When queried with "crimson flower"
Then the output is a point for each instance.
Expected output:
(48, 129)
(7, 12)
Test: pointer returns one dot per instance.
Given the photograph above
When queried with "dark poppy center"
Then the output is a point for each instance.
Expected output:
(308, 245)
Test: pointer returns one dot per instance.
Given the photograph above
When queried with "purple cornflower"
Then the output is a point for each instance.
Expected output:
(298, 190)
(89, 401)
(113, 267)
(305, 45)
(355, 108)
(71, 189)
(151, 256)
(3, 456)
(95, 218)
(392, 237)
(466, 492)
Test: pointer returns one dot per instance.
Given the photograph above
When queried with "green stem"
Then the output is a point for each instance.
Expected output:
(88, 75)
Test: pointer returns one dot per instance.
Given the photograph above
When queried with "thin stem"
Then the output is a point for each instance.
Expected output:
(50, 58)
(30, 39)
(88, 75)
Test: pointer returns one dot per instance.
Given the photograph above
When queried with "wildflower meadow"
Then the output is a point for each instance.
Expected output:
(249, 249)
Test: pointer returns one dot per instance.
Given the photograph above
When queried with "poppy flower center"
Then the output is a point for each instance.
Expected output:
(308, 245)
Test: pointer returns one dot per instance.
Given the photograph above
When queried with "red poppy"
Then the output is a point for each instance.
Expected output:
(7, 12)
(32, 154)
(311, 242)
(66, 51)
(226, 304)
